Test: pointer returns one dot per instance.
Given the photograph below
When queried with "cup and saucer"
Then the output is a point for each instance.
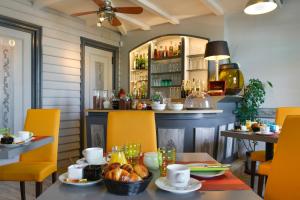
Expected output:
(178, 180)
(92, 156)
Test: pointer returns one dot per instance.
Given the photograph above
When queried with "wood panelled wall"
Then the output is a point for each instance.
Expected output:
(61, 66)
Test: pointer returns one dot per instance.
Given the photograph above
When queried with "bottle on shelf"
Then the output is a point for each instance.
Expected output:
(183, 89)
(166, 52)
(141, 62)
(170, 54)
(161, 52)
(175, 49)
(134, 63)
(179, 49)
(137, 62)
(155, 54)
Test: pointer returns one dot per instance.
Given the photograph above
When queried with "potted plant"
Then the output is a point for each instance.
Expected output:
(247, 109)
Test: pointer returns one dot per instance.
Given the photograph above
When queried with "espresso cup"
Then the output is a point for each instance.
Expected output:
(75, 172)
(93, 156)
(178, 175)
(24, 135)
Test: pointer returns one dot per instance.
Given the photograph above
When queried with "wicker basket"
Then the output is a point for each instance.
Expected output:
(127, 189)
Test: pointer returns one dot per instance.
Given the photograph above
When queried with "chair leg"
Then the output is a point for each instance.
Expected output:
(54, 176)
(260, 185)
(22, 189)
(253, 172)
(38, 189)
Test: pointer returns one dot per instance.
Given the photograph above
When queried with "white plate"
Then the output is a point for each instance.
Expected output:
(208, 174)
(205, 174)
(192, 186)
(26, 142)
(62, 178)
(83, 161)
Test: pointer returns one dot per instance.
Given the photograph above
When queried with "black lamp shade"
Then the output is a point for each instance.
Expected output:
(216, 50)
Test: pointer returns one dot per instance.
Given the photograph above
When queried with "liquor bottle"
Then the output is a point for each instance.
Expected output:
(166, 52)
(161, 52)
(141, 62)
(171, 50)
(183, 89)
(179, 49)
(155, 54)
(175, 49)
(137, 62)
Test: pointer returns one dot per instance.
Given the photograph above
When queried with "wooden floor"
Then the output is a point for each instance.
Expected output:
(11, 190)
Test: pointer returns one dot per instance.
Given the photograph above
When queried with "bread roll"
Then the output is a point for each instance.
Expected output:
(141, 170)
(127, 167)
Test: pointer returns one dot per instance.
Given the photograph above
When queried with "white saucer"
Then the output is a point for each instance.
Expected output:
(163, 184)
(62, 178)
(83, 161)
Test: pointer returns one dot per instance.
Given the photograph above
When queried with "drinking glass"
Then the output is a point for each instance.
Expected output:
(132, 153)
(118, 155)
(166, 156)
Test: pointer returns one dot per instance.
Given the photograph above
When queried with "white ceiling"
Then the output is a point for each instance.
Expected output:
(155, 11)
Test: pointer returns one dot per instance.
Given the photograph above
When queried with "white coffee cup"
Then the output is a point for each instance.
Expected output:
(93, 155)
(24, 135)
(75, 172)
(178, 175)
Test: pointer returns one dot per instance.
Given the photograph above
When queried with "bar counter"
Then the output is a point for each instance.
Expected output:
(188, 130)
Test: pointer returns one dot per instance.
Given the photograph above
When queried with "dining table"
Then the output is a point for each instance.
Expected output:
(224, 187)
(7, 152)
(269, 139)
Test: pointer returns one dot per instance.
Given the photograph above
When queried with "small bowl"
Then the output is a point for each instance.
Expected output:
(127, 189)
(175, 106)
(158, 107)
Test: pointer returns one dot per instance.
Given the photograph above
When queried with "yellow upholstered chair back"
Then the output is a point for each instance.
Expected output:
(283, 181)
(129, 127)
(43, 122)
(283, 112)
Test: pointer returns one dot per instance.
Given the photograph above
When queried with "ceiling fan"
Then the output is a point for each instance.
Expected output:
(107, 12)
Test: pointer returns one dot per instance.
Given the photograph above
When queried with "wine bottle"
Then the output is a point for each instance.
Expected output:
(171, 50)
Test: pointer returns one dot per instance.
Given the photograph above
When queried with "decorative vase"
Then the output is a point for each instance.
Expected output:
(233, 77)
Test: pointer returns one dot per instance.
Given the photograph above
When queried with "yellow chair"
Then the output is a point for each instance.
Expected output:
(283, 181)
(265, 167)
(38, 164)
(260, 156)
(131, 127)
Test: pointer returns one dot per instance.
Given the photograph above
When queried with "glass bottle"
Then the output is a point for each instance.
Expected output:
(175, 49)
(183, 89)
(166, 52)
(141, 62)
(161, 52)
(171, 50)
(137, 62)
(155, 54)
(134, 62)
(179, 49)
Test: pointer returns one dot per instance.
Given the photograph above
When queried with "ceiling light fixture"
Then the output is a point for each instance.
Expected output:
(257, 7)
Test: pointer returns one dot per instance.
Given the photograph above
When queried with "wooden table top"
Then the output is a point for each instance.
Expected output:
(272, 138)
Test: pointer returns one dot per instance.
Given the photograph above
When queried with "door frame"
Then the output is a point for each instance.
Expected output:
(86, 42)
(36, 55)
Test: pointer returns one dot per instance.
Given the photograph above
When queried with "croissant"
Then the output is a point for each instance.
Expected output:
(118, 174)
(141, 170)
(133, 177)
(111, 166)
(127, 167)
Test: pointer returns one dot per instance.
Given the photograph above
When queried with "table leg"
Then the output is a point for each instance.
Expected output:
(269, 151)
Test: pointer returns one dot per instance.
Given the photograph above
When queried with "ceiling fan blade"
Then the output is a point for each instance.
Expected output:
(115, 22)
(84, 13)
(128, 10)
(100, 3)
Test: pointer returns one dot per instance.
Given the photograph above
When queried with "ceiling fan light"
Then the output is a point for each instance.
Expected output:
(257, 7)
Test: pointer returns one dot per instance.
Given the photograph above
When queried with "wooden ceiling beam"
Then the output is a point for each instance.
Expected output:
(214, 6)
(134, 21)
(153, 8)
(44, 3)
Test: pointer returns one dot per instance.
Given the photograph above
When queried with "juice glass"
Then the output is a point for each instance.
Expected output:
(118, 155)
